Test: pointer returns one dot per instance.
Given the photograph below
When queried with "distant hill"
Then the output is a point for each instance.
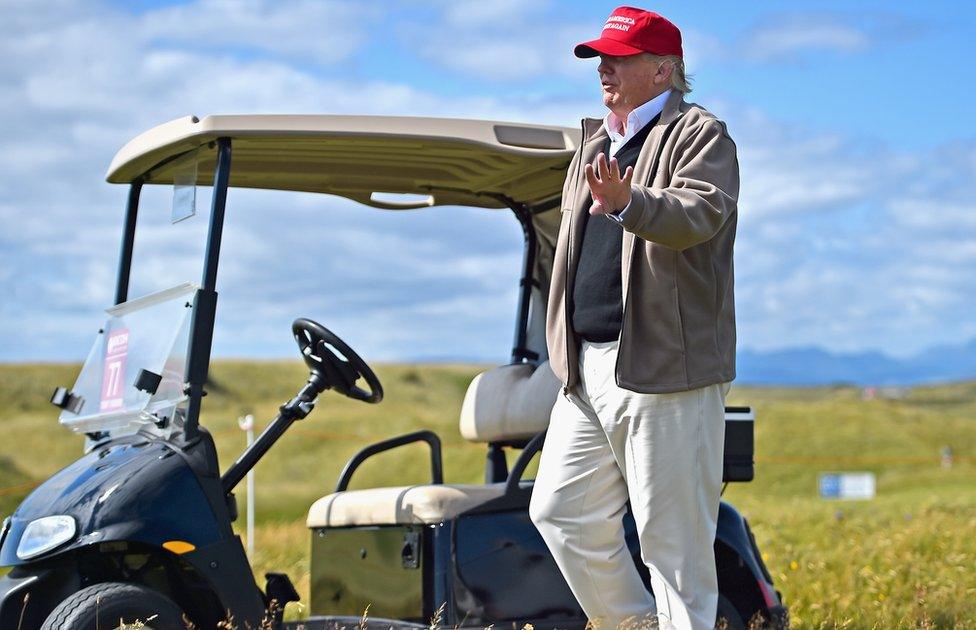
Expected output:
(792, 366)
(815, 366)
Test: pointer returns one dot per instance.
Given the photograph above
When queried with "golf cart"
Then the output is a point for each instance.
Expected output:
(140, 527)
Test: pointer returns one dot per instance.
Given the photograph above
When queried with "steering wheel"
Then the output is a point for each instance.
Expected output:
(333, 363)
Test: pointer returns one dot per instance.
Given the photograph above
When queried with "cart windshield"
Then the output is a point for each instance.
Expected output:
(139, 368)
(133, 378)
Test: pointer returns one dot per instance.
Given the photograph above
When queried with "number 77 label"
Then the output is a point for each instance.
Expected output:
(113, 378)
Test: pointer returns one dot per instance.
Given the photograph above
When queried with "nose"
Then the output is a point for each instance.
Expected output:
(605, 66)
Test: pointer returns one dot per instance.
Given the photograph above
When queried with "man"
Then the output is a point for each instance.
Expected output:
(641, 331)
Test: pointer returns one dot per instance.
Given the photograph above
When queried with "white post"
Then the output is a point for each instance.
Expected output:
(247, 424)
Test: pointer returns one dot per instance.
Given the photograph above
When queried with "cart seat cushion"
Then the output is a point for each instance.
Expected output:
(509, 402)
(400, 505)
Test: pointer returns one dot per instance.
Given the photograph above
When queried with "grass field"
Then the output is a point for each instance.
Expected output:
(904, 559)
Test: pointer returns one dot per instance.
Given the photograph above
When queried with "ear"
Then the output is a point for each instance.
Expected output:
(663, 74)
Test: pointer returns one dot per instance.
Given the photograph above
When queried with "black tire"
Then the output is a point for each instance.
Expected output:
(727, 617)
(111, 601)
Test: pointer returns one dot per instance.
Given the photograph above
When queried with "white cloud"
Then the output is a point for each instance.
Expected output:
(83, 85)
(850, 244)
(842, 242)
(477, 13)
(784, 39)
(502, 41)
(523, 42)
(321, 32)
(789, 36)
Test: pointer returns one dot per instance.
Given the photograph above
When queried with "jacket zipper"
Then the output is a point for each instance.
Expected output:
(569, 251)
(623, 319)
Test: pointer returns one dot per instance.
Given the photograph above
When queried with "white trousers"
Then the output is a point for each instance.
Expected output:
(664, 453)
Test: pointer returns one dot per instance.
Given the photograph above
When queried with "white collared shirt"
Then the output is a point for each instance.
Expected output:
(636, 120)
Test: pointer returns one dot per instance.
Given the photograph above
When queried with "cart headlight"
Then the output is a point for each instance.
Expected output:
(44, 534)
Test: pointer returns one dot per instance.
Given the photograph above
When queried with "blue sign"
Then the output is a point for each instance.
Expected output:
(847, 485)
(830, 486)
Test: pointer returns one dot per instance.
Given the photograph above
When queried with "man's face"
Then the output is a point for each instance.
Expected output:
(628, 82)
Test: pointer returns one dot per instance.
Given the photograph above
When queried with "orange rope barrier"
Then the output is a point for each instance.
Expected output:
(849, 460)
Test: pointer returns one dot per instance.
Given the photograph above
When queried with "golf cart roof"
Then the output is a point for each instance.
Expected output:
(447, 160)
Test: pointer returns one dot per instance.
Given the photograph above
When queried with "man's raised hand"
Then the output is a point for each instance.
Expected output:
(610, 191)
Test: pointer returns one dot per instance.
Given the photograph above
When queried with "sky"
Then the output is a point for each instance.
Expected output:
(856, 228)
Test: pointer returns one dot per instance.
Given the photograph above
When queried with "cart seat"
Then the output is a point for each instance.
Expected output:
(400, 505)
(511, 402)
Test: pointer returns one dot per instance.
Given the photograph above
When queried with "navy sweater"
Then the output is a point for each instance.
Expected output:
(597, 300)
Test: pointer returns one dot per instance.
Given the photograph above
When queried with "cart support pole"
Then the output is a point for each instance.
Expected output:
(205, 305)
(519, 351)
(128, 239)
(218, 203)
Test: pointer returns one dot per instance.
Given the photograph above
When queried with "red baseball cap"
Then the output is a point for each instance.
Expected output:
(630, 31)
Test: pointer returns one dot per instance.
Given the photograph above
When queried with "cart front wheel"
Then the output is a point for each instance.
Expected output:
(114, 604)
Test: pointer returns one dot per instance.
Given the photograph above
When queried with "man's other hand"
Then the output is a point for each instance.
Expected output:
(611, 192)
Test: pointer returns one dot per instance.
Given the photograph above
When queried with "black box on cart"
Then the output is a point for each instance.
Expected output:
(739, 444)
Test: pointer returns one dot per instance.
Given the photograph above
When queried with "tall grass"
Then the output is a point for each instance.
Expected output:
(903, 559)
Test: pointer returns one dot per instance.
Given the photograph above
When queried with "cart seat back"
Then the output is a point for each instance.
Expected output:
(510, 402)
